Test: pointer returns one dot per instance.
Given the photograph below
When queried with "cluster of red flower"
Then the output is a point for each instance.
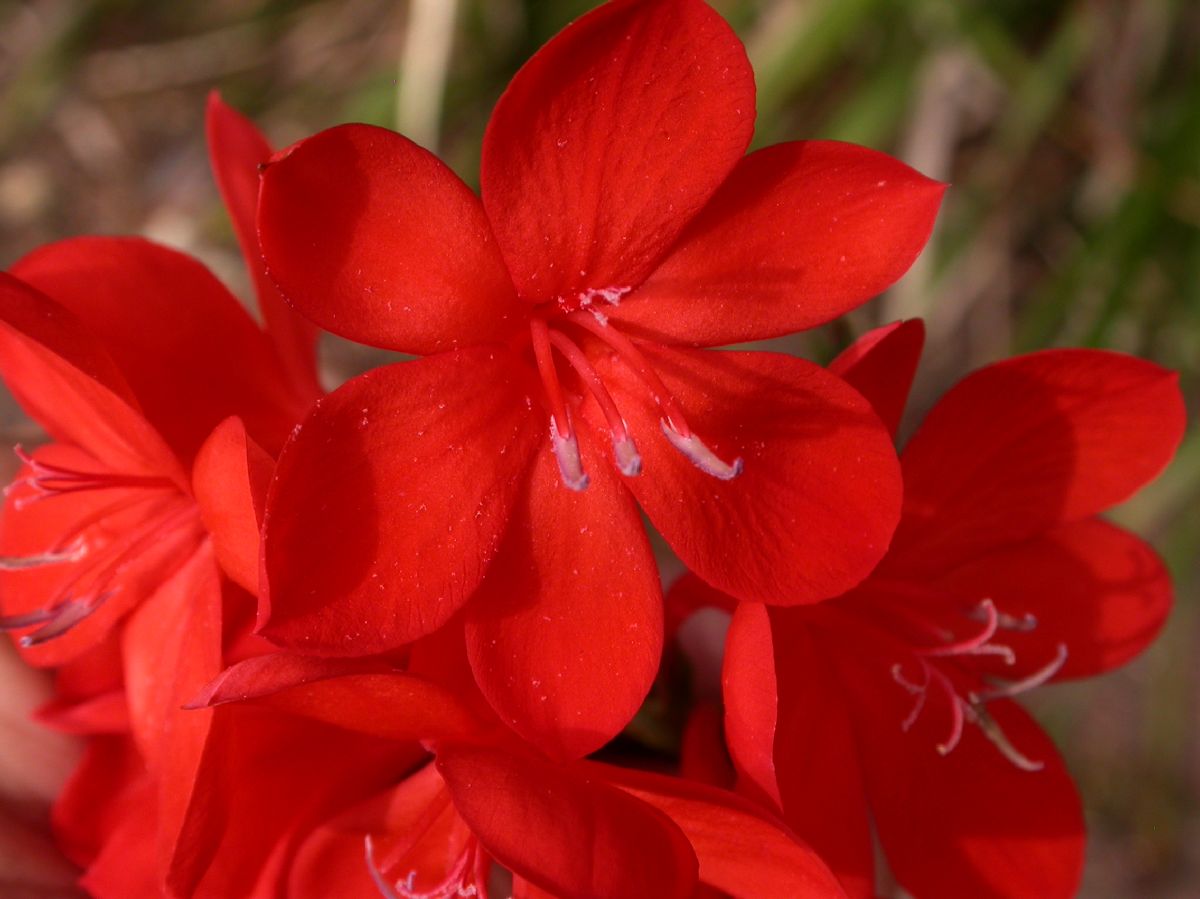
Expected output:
(364, 643)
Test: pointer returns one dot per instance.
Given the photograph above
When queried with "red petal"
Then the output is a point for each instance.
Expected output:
(414, 827)
(373, 238)
(567, 832)
(230, 481)
(1022, 445)
(799, 234)
(187, 348)
(814, 509)
(523, 889)
(566, 632)
(70, 385)
(387, 704)
(741, 851)
(609, 139)
(689, 595)
(702, 755)
(126, 867)
(751, 692)
(106, 713)
(236, 149)
(816, 758)
(268, 781)
(109, 782)
(389, 502)
(172, 647)
(969, 823)
(881, 364)
(1093, 587)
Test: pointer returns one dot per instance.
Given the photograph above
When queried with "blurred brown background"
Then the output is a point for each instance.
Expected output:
(1070, 132)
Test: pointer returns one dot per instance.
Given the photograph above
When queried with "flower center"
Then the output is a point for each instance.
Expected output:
(548, 334)
(467, 874)
(946, 669)
(165, 521)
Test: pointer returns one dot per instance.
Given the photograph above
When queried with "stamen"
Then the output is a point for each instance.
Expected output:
(629, 461)
(377, 877)
(562, 438)
(978, 644)
(27, 619)
(1017, 687)
(540, 338)
(68, 613)
(452, 885)
(60, 616)
(635, 360)
(570, 463)
(74, 553)
(47, 479)
(956, 724)
(959, 710)
(999, 739)
(700, 455)
(920, 691)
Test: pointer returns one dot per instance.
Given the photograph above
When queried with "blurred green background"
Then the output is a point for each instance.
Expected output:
(1069, 131)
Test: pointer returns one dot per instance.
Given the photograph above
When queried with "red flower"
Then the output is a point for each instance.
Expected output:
(129, 355)
(563, 829)
(893, 704)
(620, 224)
(164, 401)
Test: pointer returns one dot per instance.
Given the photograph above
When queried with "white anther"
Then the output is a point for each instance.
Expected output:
(570, 463)
(700, 455)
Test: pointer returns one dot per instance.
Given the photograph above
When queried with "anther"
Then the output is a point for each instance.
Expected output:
(629, 461)
(700, 455)
(625, 451)
(55, 620)
(570, 463)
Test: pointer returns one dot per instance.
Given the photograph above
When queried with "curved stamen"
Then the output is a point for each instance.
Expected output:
(385, 889)
(979, 643)
(959, 710)
(920, 691)
(624, 450)
(67, 614)
(1017, 687)
(562, 438)
(957, 721)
